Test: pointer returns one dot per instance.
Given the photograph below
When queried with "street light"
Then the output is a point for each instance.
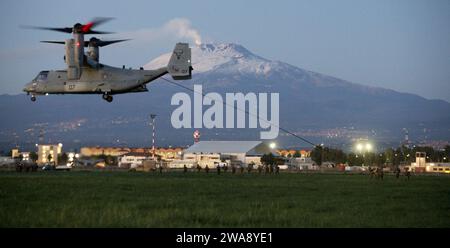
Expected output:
(364, 147)
(369, 147)
(359, 147)
(272, 145)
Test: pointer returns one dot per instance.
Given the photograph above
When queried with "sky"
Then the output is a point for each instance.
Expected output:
(396, 44)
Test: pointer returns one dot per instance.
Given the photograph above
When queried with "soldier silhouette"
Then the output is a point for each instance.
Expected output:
(407, 173)
(397, 172)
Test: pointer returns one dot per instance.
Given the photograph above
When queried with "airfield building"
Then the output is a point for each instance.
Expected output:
(133, 159)
(107, 151)
(421, 165)
(167, 154)
(239, 153)
(15, 154)
(292, 153)
(48, 153)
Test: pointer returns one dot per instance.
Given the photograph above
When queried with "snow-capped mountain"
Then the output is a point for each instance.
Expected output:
(209, 57)
(233, 60)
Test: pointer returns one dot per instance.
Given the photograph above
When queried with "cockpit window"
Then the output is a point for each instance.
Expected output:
(42, 76)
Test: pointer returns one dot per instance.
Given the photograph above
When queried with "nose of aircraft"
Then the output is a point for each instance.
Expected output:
(29, 87)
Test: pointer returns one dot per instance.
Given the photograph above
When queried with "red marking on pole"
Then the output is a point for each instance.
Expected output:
(196, 136)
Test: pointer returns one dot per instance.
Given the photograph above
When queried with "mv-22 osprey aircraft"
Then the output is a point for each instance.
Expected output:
(86, 75)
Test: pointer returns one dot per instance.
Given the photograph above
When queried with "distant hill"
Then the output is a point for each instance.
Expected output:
(321, 107)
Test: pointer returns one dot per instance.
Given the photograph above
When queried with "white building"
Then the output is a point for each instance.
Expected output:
(422, 165)
(180, 163)
(235, 152)
(15, 154)
(49, 151)
(302, 163)
(6, 161)
(133, 159)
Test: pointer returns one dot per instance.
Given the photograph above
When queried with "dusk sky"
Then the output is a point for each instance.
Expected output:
(401, 45)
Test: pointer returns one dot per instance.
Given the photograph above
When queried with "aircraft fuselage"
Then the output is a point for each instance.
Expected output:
(105, 80)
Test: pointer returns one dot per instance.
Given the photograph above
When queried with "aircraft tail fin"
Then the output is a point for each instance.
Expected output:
(180, 62)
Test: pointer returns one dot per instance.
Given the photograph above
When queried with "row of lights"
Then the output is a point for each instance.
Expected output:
(361, 147)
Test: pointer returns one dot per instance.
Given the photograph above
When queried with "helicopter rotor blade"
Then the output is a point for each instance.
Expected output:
(87, 28)
(100, 20)
(78, 28)
(97, 32)
(63, 30)
(52, 42)
(93, 42)
(101, 43)
(109, 42)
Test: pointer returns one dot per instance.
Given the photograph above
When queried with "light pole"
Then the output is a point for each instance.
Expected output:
(396, 160)
(321, 153)
(153, 117)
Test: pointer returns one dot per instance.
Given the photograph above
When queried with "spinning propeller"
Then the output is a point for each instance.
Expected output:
(78, 28)
(93, 42)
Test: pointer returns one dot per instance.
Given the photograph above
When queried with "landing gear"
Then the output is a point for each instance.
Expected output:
(107, 97)
(33, 98)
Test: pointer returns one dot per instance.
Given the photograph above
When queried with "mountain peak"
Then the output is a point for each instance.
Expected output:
(225, 49)
(211, 56)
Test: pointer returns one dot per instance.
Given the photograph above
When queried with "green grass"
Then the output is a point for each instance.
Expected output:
(123, 199)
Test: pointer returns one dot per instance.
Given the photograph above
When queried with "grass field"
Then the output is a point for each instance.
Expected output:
(125, 199)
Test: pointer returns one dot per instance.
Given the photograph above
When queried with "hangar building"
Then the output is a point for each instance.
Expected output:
(235, 152)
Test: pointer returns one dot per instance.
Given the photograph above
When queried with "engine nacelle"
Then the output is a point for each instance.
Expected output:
(79, 49)
(73, 68)
(74, 56)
